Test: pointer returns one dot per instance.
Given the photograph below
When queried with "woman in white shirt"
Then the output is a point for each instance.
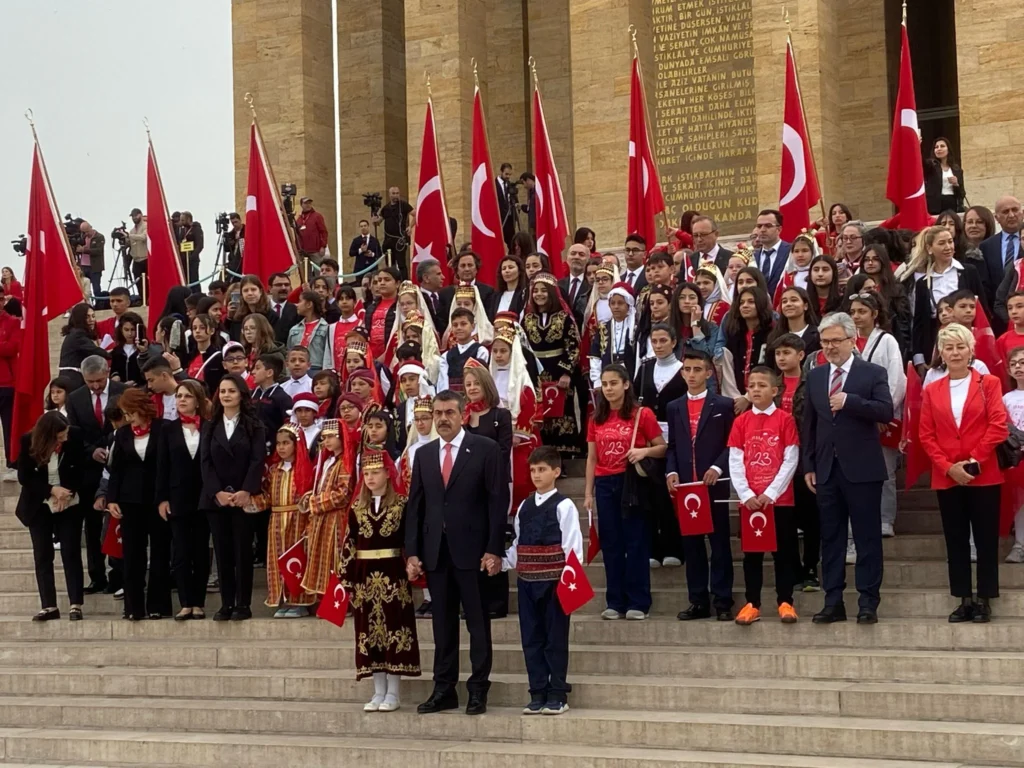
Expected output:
(510, 287)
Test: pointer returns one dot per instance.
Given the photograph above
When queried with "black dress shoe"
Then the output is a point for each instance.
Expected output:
(477, 704)
(964, 612)
(75, 614)
(223, 614)
(95, 587)
(424, 612)
(241, 613)
(867, 617)
(695, 612)
(439, 702)
(830, 614)
(725, 615)
(982, 611)
(46, 615)
(110, 589)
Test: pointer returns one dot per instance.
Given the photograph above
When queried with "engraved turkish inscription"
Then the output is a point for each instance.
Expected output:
(704, 129)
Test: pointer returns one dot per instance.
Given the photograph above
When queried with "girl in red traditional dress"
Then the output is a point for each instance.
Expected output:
(421, 433)
(516, 393)
(327, 390)
(714, 291)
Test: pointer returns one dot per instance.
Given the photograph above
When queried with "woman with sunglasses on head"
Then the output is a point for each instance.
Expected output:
(876, 268)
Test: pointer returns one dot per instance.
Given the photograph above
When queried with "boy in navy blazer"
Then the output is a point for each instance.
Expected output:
(698, 436)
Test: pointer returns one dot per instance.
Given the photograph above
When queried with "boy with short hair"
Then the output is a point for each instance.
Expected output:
(120, 300)
(162, 383)
(347, 307)
(546, 529)
(298, 370)
(305, 412)
(271, 401)
(763, 457)
(453, 362)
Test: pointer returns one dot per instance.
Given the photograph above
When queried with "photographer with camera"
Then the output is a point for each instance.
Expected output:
(395, 218)
(312, 232)
(364, 249)
(234, 241)
(508, 203)
(138, 249)
(190, 246)
(89, 251)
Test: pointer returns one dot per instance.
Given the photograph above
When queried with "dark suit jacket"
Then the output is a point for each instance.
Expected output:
(372, 253)
(851, 435)
(81, 414)
(517, 305)
(1001, 320)
(933, 187)
(283, 324)
(471, 511)
(444, 304)
(236, 463)
(75, 347)
(639, 284)
(779, 260)
(712, 443)
(721, 259)
(272, 407)
(992, 251)
(579, 307)
(448, 298)
(133, 480)
(179, 476)
(34, 478)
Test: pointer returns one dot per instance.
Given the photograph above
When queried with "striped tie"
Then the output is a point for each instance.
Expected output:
(837, 383)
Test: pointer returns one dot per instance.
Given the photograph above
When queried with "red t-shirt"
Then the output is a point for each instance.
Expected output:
(378, 331)
(789, 385)
(694, 408)
(307, 332)
(612, 439)
(1006, 343)
(862, 342)
(763, 440)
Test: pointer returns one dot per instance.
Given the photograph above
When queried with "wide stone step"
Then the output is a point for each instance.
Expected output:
(252, 750)
(974, 703)
(817, 735)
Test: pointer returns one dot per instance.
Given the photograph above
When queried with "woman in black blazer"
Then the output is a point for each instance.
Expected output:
(484, 417)
(79, 343)
(49, 438)
(510, 288)
(179, 482)
(126, 356)
(232, 450)
(131, 498)
(943, 180)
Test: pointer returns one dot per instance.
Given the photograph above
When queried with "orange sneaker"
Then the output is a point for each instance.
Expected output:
(787, 613)
(748, 615)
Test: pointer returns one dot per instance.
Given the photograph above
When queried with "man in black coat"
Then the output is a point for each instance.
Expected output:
(85, 411)
(364, 249)
(466, 268)
(575, 287)
(455, 530)
(431, 282)
(285, 313)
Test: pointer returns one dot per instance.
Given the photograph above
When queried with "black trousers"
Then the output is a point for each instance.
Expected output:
(190, 556)
(806, 512)
(6, 415)
(448, 586)
(93, 538)
(963, 509)
(232, 544)
(786, 557)
(544, 628)
(67, 527)
(666, 540)
(142, 528)
(494, 594)
(721, 572)
(261, 527)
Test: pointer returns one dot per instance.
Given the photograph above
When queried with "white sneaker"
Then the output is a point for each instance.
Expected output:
(56, 546)
(10, 476)
(610, 614)
(373, 705)
(851, 552)
(654, 564)
(1016, 554)
(672, 562)
(635, 615)
(974, 553)
(887, 531)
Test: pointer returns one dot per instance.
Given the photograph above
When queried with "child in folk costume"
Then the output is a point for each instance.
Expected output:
(288, 479)
(418, 328)
(350, 419)
(358, 358)
(516, 393)
(379, 431)
(363, 383)
(716, 295)
(464, 346)
(615, 340)
(467, 297)
(421, 433)
(798, 266)
(327, 390)
(327, 507)
(412, 382)
(510, 321)
(373, 569)
(304, 416)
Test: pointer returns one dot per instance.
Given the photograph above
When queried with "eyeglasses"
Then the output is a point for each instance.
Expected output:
(850, 238)
(235, 359)
(834, 342)
(634, 251)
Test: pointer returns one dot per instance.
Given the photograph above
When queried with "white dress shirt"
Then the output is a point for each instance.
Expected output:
(170, 405)
(738, 471)
(230, 425)
(944, 283)
(456, 444)
(832, 372)
(141, 444)
(505, 301)
(191, 440)
(293, 387)
(568, 522)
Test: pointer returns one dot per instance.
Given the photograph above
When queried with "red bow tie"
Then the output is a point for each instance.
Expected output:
(193, 420)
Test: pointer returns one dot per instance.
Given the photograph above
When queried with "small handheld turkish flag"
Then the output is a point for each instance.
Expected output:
(574, 590)
(693, 509)
(112, 546)
(334, 604)
(554, 401)
(595, 542)
(292, 565)
(757, 529)
(892, 434)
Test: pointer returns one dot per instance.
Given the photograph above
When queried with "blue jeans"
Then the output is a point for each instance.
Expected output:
(626, 544)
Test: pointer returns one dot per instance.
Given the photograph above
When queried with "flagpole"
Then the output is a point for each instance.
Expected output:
(803, 110)
(647, 115)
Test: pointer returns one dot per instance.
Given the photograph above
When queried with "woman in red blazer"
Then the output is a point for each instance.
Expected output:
(962, 421)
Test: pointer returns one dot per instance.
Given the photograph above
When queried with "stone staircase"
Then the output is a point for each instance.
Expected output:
(910, 692)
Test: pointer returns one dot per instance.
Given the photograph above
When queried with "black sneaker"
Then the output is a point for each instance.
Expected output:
(423, 612)
(811, 584)
(533, 708)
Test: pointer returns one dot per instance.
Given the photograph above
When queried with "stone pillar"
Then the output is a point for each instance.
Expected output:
(503, 82)
(282, 56)
(989, 73)
(372, 95)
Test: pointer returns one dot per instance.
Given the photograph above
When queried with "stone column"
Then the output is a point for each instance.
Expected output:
(503, 82)
(282, 55)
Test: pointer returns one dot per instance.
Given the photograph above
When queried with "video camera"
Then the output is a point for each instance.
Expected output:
(288, 192)
(372, 200)
(120, 235)
(223, 223)
(73, 229)
(20, 245)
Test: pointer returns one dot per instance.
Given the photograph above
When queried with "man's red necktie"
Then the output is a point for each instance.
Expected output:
(98, 410)
(446, 465)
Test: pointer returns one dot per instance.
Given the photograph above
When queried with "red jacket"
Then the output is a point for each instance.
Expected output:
(10, 346)
(982, 428)
(312, 231)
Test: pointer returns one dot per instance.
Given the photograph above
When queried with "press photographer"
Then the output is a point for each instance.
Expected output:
(88, 248)
(395, 218)
(190, 246)
(133, 247)
(234, 240)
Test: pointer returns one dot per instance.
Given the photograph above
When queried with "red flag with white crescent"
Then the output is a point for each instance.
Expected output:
(554, 400)
(594, 545)
(268, 243)
(798, 183)
(905, 184)
(757, 529)
(334, 603)
(917, 462)
(574, 590)
(693, 509)
(164, 267)
(432, 235)
(645, 199)
(486, 237)
(292, 566)
(113, 546)
(51, 287)
(552, 225)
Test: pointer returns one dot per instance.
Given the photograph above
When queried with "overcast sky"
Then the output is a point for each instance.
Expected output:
(90, 70)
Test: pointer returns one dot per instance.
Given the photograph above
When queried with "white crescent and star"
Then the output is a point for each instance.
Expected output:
(794, 144)
(686, 504)
(643, 163)
(337, 602)
(250, 203)
(288, 566)
(569, 569)
(908, 119)
(479, 179)
(764, 522)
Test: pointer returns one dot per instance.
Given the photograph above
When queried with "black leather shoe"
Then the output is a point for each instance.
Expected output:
(830, 614)
(438, 702)
(76, 614)
(241, 613)
(867, 617)
(695, 612)
(46, 615)
(964, 612)
(223, 614)
(477, 704)
(95, 587)
(982, 611)
(725, 615)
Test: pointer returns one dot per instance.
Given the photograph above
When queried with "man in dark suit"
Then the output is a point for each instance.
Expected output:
(466, 268)
(506, 206)
(85, 411)
(703, 456)
(364, 248)
(455, 529)
(705, 244)
(843, 463)
(771, 257)
(285, 313)
(575, 287)
(1003, 248)
(636, 258)
(431, 281)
